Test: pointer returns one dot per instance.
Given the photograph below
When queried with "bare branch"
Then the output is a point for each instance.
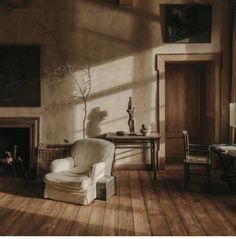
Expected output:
(82, 83)
(48, 31)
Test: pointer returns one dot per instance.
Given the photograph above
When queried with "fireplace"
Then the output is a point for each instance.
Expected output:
(17, 142)
(20, 136)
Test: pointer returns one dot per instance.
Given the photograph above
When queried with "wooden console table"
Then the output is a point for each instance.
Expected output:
(138, 141)
(227, 157)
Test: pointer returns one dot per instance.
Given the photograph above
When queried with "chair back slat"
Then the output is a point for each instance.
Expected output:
(186, 141)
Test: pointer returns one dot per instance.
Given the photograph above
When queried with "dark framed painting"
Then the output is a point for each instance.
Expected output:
(186, 23)
(19, 76)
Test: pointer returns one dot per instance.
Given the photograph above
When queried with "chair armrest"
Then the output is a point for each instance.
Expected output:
(62, 164)
(97, 171)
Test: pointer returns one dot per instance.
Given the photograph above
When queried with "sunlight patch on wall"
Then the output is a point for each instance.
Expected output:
(112, 74)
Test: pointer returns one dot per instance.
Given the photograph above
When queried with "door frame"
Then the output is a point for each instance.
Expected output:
(161, 61)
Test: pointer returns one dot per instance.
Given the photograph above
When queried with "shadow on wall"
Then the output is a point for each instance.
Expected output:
(94, 32)
(116, 43)
(95, 117)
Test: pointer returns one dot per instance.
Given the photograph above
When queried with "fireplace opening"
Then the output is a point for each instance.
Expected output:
(14, 151)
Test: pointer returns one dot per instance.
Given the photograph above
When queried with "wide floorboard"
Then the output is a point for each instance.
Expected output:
(140, 207)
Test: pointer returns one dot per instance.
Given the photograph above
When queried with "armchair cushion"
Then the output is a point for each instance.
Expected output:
(69, 179)
(62, 164)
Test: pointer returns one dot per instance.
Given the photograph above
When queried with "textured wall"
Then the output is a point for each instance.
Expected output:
(119, 44)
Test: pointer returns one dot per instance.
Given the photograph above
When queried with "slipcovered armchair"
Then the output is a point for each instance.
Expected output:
(73, 179)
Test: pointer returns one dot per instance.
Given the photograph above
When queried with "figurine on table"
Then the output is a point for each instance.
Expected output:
(131, 119)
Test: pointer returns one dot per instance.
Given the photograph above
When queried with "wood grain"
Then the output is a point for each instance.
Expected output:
(200, 206)
(111, 218)
(141, 206)
(80, 225)
(182, 106)
(64, 226)
(157, 219)
(174, 221)
(126, 223)
(96, 219)
(141, 222)
(216, 132)
(189, 219)
(47, 229)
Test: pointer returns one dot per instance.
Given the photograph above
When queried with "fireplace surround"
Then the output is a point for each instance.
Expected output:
(23, 126)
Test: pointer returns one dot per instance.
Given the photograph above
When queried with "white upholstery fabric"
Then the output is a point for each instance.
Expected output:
(88, 152)
(98, 171)
(58, 165)
(73, 179)
(69, 179)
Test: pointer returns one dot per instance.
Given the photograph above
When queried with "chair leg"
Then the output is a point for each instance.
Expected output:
(188, 173)
(186, 176)
(209, 177)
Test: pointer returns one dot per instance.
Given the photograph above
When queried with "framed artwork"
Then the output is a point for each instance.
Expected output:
(186, 23)
(19, 76)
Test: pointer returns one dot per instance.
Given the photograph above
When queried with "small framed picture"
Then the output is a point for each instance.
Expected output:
(186, 23)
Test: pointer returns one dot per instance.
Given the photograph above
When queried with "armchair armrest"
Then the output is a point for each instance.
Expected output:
(58, 165)
(97, 171)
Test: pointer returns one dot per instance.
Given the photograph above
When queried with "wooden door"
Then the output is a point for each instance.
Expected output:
(183, 106)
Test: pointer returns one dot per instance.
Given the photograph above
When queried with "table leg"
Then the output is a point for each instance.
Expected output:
(114, 157)
(153, 159)
(223, 165)
(226, 168)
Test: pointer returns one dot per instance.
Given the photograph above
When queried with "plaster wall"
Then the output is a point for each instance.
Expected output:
(120, 46)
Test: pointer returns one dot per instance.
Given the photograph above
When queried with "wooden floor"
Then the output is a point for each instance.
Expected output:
(140, 207)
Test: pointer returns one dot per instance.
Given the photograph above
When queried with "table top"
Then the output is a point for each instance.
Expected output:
(152, 136)
(226, 149)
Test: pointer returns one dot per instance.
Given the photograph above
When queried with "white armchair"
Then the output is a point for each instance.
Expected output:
(73, 179)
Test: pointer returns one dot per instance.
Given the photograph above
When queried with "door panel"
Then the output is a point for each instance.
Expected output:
(208, 105)
(183, 106)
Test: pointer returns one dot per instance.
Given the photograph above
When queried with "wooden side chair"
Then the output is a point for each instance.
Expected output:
(196, 154)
